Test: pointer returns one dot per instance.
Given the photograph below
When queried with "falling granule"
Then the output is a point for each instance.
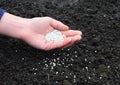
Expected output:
(55, 35)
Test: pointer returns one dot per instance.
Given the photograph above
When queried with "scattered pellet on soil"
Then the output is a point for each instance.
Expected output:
(108, 66)
(34, 73)
(100, 77)
(56, 73)
(85, 59)
(55, 35)
(74, 78)
(23, 58)
(86, 68)
(76, 56)
(16, 51)
(75, 52)
(89, 77)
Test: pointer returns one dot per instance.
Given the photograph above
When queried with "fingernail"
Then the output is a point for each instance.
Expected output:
(80, 32)
(79, 37)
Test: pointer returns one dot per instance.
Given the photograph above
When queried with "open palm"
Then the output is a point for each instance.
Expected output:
(34, 35)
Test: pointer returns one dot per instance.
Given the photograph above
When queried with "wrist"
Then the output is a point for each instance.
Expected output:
(11, 25)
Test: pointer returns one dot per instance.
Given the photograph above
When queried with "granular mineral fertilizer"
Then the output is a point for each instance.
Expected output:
(55, 35)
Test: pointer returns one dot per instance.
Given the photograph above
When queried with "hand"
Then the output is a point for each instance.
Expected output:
(35, 33)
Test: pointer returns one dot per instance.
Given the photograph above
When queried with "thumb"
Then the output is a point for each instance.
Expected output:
(58, 25)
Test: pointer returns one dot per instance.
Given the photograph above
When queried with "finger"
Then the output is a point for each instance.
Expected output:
(74, 39)
(58, 25)
(72, 32)
(68, 45)
(53, 45)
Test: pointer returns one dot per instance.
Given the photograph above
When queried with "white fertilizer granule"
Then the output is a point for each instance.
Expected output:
(55, 35)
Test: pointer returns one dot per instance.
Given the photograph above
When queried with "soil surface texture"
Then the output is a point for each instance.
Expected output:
(95, 60)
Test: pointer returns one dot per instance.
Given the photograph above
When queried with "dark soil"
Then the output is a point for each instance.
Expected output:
(95, 60)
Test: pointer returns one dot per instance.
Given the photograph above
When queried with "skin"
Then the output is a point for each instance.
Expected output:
(33, 31)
